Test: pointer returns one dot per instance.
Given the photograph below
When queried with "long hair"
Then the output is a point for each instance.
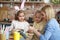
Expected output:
(37, 12)
(49, 11)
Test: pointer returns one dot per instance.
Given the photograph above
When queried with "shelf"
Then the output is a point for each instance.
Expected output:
(7, 2)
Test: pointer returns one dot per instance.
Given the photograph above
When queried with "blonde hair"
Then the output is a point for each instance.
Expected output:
(37, 12)
(49, 11)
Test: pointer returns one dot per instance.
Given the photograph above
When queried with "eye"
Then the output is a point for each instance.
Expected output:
(42, 14)
(19, 16)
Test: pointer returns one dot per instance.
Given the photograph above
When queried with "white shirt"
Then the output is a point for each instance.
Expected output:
(19, 25)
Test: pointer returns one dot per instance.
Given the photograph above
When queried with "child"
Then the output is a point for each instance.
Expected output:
(39, 24)
(19, 23)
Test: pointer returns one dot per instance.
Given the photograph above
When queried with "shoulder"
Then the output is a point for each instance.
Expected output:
(52, 25)
(14, 21)
(53, 21)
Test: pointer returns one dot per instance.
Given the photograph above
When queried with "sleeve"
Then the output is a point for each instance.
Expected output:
(27, 27)
(48, 32)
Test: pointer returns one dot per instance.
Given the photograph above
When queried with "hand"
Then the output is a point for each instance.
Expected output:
(12, 31)
(31, 28)
(30, 34)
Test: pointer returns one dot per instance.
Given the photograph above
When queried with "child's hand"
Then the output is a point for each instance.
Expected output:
(12, 31)
(30, 34)
(31, 28)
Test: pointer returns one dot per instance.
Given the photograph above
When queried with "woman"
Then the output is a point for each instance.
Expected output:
(52, 30)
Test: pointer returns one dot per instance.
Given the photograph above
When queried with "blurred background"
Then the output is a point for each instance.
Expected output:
(7, 11)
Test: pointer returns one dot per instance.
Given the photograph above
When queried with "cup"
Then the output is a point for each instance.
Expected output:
(16, 35)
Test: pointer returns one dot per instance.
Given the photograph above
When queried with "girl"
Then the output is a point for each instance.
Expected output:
(52, 30)
(39, 24)
(19, 23)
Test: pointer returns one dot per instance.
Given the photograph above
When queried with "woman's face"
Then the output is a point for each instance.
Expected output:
(21, 17)
(38, 17)
(43, 15)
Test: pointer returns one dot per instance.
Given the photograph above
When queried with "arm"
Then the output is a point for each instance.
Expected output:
(48, 32)
(12, 27)
(51, 26)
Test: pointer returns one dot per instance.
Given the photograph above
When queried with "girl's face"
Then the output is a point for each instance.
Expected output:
(38, 17)
(21, 16)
